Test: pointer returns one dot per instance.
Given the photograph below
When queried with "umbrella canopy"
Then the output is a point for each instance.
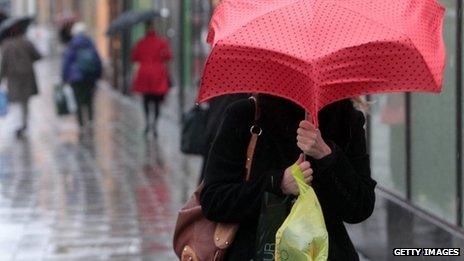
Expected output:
(10, 23)
(315, 52)
(129, 19)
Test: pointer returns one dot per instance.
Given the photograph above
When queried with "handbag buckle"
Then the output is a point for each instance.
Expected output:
(255, 129)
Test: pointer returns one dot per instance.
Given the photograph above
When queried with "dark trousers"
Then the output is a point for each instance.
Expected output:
(151, 105)
(84, 92)
(25, 113)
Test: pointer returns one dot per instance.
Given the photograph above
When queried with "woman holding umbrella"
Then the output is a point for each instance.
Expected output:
(337, 167)
(18, 57)
(316, 63)
(151, 54)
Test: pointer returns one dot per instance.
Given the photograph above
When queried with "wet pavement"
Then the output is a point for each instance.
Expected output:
(111, 194)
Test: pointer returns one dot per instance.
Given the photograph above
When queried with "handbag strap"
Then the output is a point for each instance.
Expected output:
(255, 131)
(224, 233)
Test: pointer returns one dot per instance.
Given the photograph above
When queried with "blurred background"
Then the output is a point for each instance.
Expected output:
(113, 193)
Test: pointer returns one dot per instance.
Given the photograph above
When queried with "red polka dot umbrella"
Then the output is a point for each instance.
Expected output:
(315, 52)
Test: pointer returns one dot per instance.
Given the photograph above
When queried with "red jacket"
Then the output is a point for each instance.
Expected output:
(151, 52)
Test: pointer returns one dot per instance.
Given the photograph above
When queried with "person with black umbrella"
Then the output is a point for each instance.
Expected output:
(151, 54)
(18, 57)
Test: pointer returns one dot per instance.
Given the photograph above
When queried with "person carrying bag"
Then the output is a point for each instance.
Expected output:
(334, 163)
(82, 68)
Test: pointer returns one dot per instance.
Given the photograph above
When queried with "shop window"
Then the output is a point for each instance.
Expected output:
(388, 141)
(433, 134)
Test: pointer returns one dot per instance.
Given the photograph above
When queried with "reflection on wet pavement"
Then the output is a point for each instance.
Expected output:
(111, 195)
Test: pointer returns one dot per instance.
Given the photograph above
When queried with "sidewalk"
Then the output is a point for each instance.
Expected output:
(110, 196)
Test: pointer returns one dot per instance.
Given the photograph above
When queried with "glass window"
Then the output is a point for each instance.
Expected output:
(434, 137)
(462, 102)
(388, 144)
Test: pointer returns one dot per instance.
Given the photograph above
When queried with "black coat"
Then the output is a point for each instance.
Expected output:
(342, 180)
(217, 108)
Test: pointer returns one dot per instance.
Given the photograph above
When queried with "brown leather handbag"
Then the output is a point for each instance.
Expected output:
(199, 239)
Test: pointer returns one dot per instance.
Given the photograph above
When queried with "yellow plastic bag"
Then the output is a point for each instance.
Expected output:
(303, 235)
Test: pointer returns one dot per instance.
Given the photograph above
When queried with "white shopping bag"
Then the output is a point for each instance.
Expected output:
(70, 99)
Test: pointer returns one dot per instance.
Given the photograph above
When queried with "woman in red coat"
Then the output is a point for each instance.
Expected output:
(152, 78)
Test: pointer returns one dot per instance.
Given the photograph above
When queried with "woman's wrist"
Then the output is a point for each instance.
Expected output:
(323, 152)
(326, 151)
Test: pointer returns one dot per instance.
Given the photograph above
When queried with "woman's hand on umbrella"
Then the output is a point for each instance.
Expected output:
(288, 185)
(310, 141)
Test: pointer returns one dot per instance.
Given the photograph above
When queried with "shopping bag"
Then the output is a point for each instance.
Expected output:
(3, 103)
(303, 235)
(70, 99)
(274, 210)
(193, 140)
(59, 98)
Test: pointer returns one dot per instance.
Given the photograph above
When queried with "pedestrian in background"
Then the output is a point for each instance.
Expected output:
(151, 54)
(82, 67)
(17, 68)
